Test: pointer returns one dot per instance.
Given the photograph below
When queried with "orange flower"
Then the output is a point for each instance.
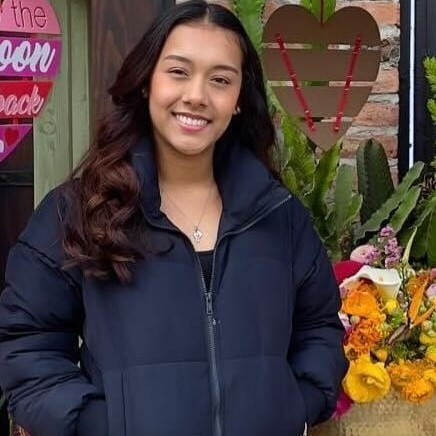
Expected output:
(416, 287)
(415, 284)
(402, 373)
(361, 300)
(364, 336)
(418, 391)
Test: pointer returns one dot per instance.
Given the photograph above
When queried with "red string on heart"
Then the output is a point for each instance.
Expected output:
(349, 78)
(293, 76)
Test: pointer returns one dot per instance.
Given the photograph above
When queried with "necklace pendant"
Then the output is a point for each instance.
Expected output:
(197, 235)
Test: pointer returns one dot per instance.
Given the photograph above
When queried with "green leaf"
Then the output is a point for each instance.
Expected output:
(343, 195)
(373, 177)
(290, 180)
(250, 14)
(429, 207)
(420, 244)
(406, 208)
(431, 251)
(391, 204)
(354, 208)
(300, 158)
(324, 175)
(408, 248)
(314, 6)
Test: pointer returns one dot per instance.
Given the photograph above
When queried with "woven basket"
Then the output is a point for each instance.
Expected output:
(391, 416)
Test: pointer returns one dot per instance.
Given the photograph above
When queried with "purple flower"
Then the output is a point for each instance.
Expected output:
(387, 232)
(392, 260)
(366, 254)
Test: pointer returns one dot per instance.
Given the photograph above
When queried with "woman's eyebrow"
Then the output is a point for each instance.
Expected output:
(188, 61)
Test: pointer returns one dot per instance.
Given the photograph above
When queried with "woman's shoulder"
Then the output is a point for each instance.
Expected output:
(44, 230)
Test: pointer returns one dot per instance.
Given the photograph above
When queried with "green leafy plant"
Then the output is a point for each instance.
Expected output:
(396, 208)
(250, 13)
(373, 176)
(322, 186)
(410, 208)
(430, 72)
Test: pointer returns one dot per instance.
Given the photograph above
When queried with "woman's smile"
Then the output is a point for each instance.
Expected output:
(191, 123)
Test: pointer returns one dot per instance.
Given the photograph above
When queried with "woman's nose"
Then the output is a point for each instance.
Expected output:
(195, 92)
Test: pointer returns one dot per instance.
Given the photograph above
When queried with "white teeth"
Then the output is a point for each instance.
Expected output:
(191, 121)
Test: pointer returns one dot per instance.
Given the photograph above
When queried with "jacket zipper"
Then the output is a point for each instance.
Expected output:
(210, 318)
(210, 334)
(217, 430)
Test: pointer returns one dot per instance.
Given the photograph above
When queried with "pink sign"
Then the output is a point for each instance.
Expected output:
(29, 57)
(23, 99)
(10, 136)
(28, 16)
(29, 62)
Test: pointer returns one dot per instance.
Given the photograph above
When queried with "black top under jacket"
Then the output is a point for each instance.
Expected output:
(257, 353)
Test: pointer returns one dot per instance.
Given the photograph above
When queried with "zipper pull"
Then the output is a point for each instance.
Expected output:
(209, 303)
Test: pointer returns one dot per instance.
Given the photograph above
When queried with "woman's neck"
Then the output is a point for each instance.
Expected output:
(181, 172)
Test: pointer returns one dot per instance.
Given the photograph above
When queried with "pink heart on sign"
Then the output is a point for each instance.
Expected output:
(11, 136)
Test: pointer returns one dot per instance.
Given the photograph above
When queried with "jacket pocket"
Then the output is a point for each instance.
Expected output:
(168, 399)
(113, 386)
(262, 398)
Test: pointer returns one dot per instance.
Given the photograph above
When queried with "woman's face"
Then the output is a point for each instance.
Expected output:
(195, 88)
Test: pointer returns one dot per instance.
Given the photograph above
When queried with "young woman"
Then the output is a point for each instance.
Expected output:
(205, 300)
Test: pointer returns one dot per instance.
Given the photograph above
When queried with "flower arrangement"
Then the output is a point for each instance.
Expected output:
(389, 313)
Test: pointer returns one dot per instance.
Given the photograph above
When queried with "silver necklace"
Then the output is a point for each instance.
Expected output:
(197, 233)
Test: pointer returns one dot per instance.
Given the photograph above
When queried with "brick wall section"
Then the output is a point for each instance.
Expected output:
(379, 117)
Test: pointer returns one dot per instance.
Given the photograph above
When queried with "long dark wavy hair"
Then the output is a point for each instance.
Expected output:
(104, 221)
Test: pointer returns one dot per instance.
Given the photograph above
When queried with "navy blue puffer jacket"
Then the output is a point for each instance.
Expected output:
(257, 354)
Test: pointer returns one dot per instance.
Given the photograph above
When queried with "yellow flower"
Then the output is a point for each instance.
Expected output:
(418, 391)
(430, 375)
(366, 381)
(390, 306)
(381, 354)
(426, 339)
(430, 353)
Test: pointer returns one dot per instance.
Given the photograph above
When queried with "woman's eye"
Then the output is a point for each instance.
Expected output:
(178, 72)
(221, 80)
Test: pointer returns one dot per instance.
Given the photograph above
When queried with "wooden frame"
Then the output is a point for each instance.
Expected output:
(424, 131)
(61, 134)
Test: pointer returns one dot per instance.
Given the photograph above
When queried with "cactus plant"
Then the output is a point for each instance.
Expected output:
(374, 178)
(384, 213)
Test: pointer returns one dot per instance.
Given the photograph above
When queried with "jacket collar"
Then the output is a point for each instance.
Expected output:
(247, 187)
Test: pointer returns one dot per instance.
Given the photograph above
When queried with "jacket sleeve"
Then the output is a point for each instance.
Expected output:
(316, 352)
(40, 321)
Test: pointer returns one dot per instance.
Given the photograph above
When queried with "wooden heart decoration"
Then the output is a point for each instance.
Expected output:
(30, 54)
(322, 73)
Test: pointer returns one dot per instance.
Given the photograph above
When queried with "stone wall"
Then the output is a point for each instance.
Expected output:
(379, 117)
